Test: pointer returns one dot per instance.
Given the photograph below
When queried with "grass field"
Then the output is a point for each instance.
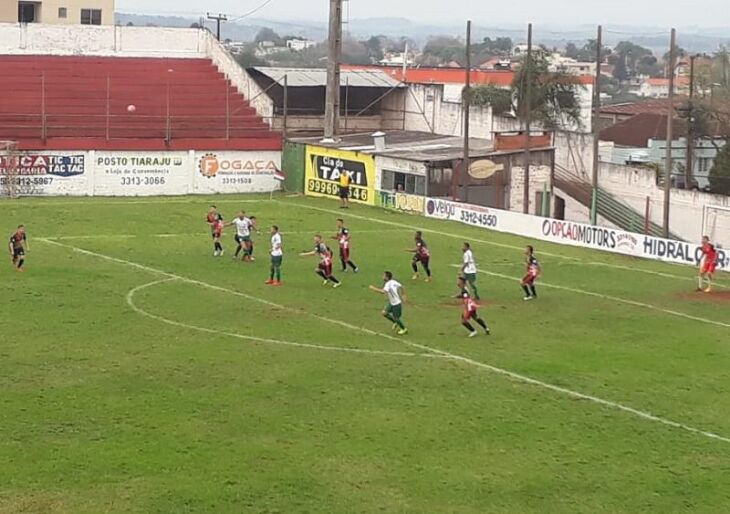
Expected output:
(141, 375)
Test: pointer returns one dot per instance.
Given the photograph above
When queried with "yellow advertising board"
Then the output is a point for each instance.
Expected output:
(324, 166)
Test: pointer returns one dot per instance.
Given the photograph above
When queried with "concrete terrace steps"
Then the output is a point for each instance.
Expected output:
(71, 107)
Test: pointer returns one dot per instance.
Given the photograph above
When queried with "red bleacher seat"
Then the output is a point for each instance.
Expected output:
(52, 102)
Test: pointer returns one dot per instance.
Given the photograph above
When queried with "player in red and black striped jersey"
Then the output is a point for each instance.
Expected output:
(421, 255)
(533, 273)
(470, 309)
(215, 222)
(18, 246)
(343, 238)
(708, 264)
(324, 268)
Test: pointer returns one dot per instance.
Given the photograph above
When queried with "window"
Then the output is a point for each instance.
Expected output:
(705, 164)
(27, 12)
(403, 183)
(90, 16)
(62, 12)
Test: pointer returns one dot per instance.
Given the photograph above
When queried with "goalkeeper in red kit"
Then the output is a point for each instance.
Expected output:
(708, 265)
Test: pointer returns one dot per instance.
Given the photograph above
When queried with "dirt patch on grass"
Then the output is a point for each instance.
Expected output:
(701, 296)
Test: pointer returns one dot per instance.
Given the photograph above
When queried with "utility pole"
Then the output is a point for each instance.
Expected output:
(218, 19)
(596, 126)
(689, 164)
(527, 113)
(670, 131)
(334, 54)
(466, 99)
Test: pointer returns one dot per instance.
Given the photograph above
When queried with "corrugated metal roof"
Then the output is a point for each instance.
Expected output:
(317, 77)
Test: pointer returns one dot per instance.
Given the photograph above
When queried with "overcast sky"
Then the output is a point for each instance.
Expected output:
(680, 13)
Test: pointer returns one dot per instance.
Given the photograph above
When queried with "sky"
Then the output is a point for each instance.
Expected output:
(658, 13)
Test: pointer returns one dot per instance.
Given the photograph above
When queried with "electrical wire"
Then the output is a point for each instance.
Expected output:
(252, 11)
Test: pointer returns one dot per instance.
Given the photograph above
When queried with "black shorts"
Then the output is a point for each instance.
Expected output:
(18, 252)
(326, 268)
(344, 192)
(422, 259)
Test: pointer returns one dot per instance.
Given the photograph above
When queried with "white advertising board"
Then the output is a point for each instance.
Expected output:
(236, 172)
(46, 173)
(570, 233)
(142, 173)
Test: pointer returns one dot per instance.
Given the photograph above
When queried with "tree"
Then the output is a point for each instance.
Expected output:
(720, 172)
(374, 47)
(267, 34)
(631, 54)
(553, 96)
(571, 51)
(442, 50)
(248, 60)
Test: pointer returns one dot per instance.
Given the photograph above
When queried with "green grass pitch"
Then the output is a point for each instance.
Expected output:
(140, 374)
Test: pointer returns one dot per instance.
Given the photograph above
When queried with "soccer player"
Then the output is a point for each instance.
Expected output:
(343, 237)
(470, 309)
(708, 264)
(277, 256)
(18, 246)
(393, 310)
(421, 255)
(469, 269)
(254, 228)
(324, 268)
(533, 273)
(345, 181)
(243, 234)
(217, 236)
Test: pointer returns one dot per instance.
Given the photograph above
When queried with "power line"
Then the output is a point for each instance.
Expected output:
(252, 11)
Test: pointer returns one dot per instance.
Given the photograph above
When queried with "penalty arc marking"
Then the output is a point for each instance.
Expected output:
(449, 356)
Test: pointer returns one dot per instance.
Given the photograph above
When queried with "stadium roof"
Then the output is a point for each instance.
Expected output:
(317, 77)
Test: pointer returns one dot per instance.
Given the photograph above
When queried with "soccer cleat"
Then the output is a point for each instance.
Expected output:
(473, 334)
(415, 277)
(325, 282)
(276, 283)
(220, 254)
(528, 298)
(428, 279)
(356, 270)
(708, 290)
(402, 331)
(215, 253)
(338, 284)
(270, 282)
(395, 327)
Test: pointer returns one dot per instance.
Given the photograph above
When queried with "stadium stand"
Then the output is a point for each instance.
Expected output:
(125, 103)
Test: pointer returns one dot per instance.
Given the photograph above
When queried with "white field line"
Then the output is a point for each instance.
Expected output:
(499, 245)
(650, 272)
(161, 319)
(609, 297)
(458, 358)
(200, 234)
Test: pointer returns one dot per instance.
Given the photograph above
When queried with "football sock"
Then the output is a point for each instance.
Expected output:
(352, 265)
(415, 267)
(238, 250)
(474, 289)
(344, 264)
(389, 317)
(526, 290)
(533, 291)
(428, 270)
(333, 279)
(278, 274)
(481, 323)
(20, 263)
(468, 326)
(321, 274)
(400, 324)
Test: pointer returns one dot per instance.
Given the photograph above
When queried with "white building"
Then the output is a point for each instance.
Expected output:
(297, 45)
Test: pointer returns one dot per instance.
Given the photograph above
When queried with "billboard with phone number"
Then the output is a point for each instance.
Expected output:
(325, 166)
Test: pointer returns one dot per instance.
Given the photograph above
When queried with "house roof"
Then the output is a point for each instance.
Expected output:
(656, 106)
(317, 77)
(662, 82)
(638, 130)
(429, 75)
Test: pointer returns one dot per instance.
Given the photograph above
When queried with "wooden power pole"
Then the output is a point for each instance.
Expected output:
(218, 18)
(466, 98)
(670, 131)
(689, 164)
(334, 55)
(596, 126)
(527, 113)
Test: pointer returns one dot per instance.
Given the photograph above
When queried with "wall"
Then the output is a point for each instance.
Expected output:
(8, 12)
(49, 11)
(99, 173)
(579, 213)
(324, 166)
(574, 152)
(633, 185)
(32, 38)
(539, 179)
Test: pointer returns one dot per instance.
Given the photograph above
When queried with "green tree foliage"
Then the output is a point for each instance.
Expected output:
(630, 59)
(553, 96)
(720, 172)
(268, 34)
(442, 50)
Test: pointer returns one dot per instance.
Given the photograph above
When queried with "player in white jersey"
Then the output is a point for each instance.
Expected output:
(393, 310)
(243, 226)
(469, 269)
(277, 256)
